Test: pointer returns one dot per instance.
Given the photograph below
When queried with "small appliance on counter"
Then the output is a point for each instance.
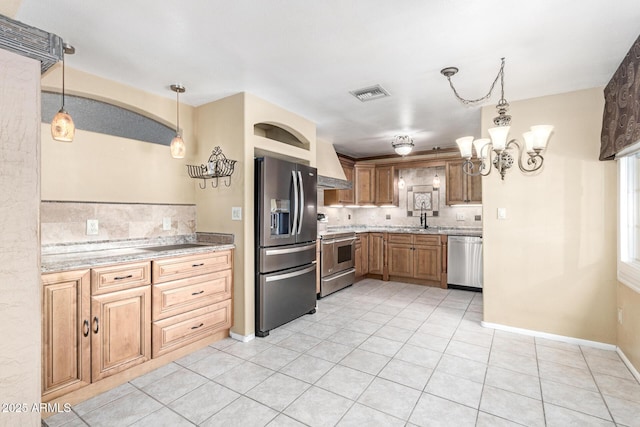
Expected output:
(285, 242)
(323, 221)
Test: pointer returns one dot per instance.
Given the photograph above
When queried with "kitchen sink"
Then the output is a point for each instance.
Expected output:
(173, 247)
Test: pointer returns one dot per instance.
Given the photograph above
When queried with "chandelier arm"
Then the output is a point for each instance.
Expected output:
(468, 166)
(488, 95)
(534, 161)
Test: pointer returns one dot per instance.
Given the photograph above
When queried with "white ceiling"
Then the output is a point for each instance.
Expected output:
(306, 55)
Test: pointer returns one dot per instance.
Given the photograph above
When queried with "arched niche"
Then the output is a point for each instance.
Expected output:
(281, 133)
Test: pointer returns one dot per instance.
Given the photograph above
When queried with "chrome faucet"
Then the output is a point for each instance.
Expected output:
(423, 216)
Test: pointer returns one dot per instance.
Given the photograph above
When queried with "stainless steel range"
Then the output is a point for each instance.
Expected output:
(337, 261)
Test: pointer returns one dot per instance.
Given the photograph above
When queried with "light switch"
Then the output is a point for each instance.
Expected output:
(502, 213)
(236, 213)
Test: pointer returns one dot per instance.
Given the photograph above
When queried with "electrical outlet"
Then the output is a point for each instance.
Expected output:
(388, 216)
(166, 223)
(478, 217)
(236, 213)
(620, 316)
(348, 216)
(460, 216)
(92, 227)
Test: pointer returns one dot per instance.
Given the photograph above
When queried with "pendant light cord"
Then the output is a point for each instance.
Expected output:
(63, 79)
(178, 112)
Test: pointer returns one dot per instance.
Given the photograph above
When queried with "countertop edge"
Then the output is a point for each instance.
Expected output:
(89, 259)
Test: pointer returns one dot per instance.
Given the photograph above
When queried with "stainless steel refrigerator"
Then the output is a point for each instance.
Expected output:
(286, 229)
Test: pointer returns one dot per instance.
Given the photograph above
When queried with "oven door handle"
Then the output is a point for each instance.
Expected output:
(332, 241)
(293, 274)
(290, 250)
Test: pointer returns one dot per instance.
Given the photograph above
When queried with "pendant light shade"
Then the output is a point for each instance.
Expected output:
(178, 147)
(62, 127)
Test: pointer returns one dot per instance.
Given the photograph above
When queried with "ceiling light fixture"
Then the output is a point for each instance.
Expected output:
(178, 148)
(62, 127)
(403, 144)
(494, 150)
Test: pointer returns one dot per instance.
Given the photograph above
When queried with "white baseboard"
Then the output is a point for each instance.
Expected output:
(243, 338)
(553, 337)
(627, 362)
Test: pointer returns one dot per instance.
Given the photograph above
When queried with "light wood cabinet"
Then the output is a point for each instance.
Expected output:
(376, 253)
(121, 331)
(462, 188)
(191, 299)
(342, 197)
(362, 254)
(415, 256)
(365, 184)
(66, 344)
(386, 185)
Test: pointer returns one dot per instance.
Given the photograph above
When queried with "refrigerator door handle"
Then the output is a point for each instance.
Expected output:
(290, 275)
(302, 202)
(295, 203)
(290, 250)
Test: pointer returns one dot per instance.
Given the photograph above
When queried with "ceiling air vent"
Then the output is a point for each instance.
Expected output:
(370, 93)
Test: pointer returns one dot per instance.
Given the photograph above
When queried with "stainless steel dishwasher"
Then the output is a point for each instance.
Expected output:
(464, 260)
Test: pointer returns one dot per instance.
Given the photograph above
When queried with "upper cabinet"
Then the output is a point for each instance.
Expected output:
(365, 178)
(462, 188)
(386, 187)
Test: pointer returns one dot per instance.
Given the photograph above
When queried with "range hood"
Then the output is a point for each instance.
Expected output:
(330, 173)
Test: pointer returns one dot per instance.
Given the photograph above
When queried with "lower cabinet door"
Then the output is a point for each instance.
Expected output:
(121, 331)
(400, 258)
(66, 344)
(428, 260)
(177, 331)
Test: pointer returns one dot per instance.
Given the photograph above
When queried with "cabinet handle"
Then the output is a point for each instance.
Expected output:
(96, 325)
(197, 293)
(197, 265)
(123, 277)
(85, 328)
(199, 326)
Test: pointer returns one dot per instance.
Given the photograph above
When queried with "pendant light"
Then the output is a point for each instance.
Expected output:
(436, 179)
(178, 148)
(62, 127)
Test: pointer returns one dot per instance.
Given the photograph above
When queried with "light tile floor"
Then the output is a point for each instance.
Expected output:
(378, 354)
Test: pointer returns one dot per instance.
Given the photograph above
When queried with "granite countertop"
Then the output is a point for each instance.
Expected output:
(451, 231)
(72, 256)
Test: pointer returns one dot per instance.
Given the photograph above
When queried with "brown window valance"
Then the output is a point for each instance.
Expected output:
(621, 119)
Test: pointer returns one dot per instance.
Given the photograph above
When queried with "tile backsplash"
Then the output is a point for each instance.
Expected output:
(66, 222)
(448, 216)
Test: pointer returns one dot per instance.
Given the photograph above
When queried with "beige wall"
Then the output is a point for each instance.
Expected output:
(105, 168)
(628, 334)
(221, 124)
(550, 266)
(10, 7)
(20, 313)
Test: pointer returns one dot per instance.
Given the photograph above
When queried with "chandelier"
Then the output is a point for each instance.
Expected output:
(402, 144)
(494, 150)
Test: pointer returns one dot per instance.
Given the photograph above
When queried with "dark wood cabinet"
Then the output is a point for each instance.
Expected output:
(462, 188)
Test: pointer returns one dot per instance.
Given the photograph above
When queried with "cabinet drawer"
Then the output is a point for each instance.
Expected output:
(165, 270)
(400, 238)
(178, 331)
(182, 295)
(426, 240)
(119, 277)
